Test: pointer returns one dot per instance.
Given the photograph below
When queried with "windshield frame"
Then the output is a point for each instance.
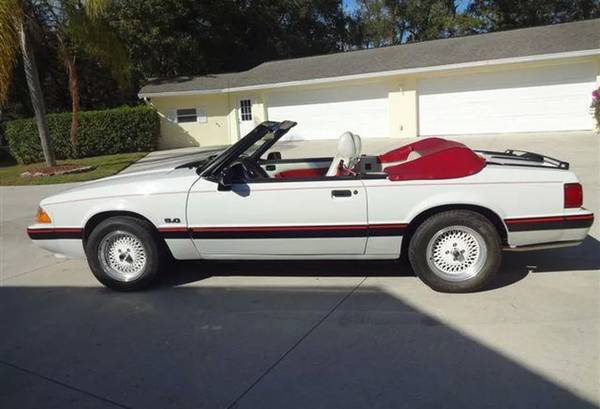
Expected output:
(234, 151)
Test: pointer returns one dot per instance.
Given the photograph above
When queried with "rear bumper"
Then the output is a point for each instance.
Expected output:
(534, 233)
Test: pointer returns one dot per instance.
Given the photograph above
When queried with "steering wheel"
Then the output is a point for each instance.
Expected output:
(252, 169)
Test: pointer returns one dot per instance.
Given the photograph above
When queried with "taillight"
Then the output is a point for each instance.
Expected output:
(573, 195)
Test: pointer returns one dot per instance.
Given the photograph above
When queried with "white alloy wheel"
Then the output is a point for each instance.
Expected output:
(123, 255)
(456, 253)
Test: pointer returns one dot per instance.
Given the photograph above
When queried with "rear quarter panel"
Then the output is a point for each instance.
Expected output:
(510, 192)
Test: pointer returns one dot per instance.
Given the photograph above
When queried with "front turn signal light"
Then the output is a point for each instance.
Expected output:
(42, 216)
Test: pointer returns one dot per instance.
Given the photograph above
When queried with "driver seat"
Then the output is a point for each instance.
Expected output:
(348, 152)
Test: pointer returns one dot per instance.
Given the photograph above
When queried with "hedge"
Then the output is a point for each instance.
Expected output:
(127, 129)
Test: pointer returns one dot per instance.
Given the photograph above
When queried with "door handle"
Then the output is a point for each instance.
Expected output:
(341, 193)
(271, 167)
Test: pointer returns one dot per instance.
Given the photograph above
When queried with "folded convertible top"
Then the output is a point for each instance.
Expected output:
(437, 159)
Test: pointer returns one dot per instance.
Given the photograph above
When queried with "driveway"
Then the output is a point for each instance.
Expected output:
(304, 334)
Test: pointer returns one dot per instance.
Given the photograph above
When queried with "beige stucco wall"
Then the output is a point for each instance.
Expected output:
(221, 109)
(215, 131)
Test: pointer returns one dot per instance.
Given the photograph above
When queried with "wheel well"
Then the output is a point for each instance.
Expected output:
(421, 217)
(96, 219)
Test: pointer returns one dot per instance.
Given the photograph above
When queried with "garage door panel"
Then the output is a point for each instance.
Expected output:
(528, 100)
(326, 113)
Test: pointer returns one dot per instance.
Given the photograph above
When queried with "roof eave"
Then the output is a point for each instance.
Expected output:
(389, 73)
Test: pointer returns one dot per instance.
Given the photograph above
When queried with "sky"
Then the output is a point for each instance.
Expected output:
(352, 5)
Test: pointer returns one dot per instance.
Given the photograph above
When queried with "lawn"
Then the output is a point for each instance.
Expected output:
(105, 166)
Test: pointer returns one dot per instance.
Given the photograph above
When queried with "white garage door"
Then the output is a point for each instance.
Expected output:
(327, 112)
(554, 98)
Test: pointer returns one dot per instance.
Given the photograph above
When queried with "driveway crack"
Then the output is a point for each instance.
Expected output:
(64, 385)
(296, 344)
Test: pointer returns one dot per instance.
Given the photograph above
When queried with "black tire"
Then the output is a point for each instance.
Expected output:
(145, 237)
(436, 233)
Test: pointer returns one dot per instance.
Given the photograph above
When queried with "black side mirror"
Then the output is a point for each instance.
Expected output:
(274, 156)
(225, 180)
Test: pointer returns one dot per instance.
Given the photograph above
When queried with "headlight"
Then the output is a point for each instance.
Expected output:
(42, 216)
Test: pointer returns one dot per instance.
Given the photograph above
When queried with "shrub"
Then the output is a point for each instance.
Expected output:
(104, 132)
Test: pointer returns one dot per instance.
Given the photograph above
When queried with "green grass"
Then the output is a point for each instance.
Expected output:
(105, 166)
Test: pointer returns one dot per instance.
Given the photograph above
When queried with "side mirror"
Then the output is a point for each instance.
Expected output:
(274, 156)
(225, 180)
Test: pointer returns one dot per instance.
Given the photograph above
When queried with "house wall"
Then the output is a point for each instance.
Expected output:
(222, 125)
(215, 131)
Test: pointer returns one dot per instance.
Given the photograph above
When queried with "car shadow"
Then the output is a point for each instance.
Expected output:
(515, 266)
(584, 257)
(326, 346)
(185, 272)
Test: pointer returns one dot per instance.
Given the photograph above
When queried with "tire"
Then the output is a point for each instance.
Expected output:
(124, 253)
(456, 251)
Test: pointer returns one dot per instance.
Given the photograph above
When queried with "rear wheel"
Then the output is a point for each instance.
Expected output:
(124, 253)
(456, 251)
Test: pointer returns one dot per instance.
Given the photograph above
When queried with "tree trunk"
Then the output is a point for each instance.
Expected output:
(74, 91)
(37, 96)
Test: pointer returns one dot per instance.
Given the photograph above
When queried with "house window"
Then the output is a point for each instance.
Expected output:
(190, 115)
(246, 109)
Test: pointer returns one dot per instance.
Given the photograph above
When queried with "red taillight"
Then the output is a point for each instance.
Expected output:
(573, 195)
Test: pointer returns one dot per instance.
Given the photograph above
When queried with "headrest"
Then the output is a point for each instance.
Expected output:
(346, 146)
(357, 144)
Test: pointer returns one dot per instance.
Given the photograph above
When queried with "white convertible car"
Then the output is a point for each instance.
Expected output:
(450, 209)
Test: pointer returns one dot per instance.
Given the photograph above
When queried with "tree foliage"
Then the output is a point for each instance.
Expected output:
(497, 15)
(10, 14)
(165, 38)
(386, 22)
(183, 37)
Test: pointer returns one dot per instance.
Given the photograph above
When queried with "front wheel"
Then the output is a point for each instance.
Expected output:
(456, 251)
(123, 253)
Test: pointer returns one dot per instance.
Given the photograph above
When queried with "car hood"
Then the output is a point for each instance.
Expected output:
(148, 177)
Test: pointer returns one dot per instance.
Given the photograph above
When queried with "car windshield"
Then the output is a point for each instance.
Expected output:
(255, 143)
(266, 139)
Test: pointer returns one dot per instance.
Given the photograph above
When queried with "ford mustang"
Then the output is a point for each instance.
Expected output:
(449, 209)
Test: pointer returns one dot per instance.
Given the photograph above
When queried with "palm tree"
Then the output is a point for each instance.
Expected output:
(15, 25)
(77, 25)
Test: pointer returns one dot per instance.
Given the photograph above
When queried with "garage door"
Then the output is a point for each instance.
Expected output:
(554, 98)
(327, 112)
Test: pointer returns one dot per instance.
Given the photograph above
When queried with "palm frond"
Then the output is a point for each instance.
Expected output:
(96, 8)
(10, 14)
(99, 41)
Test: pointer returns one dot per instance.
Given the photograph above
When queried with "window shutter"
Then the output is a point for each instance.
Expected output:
(173, 115)
(201, 117)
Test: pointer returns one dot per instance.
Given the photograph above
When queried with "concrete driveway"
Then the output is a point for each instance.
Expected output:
(303, 335)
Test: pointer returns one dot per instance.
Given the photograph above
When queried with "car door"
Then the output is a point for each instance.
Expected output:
(324, 218)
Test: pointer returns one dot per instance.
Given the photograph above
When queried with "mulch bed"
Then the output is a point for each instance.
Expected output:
(57, 170)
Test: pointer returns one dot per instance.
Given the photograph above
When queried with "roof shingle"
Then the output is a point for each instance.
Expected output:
(576, 36)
